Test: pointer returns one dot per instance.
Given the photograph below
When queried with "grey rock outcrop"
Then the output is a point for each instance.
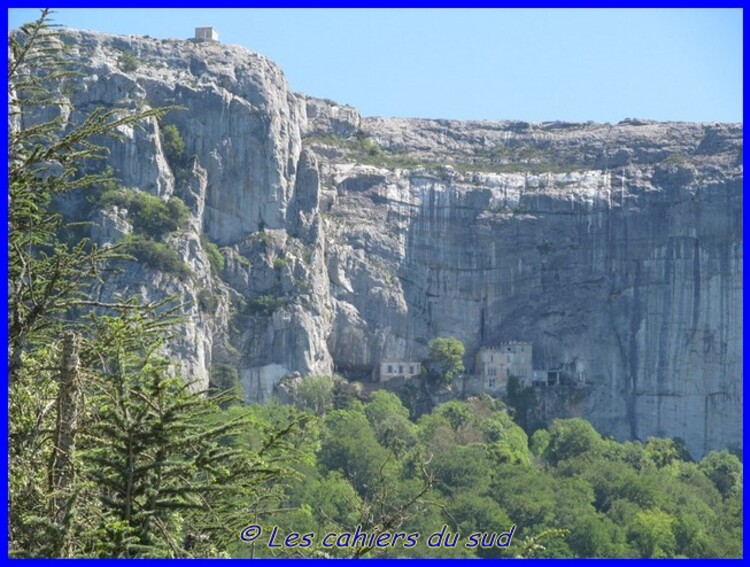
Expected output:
(615, 249)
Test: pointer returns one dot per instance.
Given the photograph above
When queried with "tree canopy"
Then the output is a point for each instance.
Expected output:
(445, 360)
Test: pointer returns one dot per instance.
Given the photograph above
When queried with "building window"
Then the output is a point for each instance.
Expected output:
(390, 369)
(492, 358)
(492, 382)
(411, 369)
(400, 369)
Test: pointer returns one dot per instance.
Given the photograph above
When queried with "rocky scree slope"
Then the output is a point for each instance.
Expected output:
(615, 249)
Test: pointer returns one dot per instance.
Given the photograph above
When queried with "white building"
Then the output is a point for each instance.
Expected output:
(206, 33)
(494, 365)
(398, 369)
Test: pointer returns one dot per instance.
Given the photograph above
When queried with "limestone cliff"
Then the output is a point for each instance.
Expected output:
(615, 249)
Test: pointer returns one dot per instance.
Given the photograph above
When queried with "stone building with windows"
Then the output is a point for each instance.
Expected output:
(399, 369)
(495, 365)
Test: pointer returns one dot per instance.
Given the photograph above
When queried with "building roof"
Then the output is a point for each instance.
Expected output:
(505, 343)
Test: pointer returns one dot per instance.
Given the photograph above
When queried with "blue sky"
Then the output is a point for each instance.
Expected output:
(527, 64)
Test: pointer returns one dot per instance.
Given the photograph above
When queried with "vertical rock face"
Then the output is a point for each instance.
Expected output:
(627, 277)
(615, 250)
(252, 193)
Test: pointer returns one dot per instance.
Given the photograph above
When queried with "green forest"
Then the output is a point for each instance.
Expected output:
(112, 454)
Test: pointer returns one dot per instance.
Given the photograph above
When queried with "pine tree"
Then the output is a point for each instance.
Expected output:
(109, 450)
(48, 158)
(154, 451)
(47, 277)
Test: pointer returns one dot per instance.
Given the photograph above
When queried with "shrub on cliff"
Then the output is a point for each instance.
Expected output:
(156, 255)
(149, 214)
